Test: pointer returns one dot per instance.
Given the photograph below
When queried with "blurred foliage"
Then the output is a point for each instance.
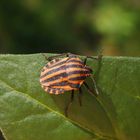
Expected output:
(83, 27)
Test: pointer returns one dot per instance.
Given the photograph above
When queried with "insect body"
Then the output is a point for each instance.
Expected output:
(65, 74)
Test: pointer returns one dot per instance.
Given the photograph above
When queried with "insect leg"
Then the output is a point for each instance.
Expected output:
(91, 57)
(69, 104)
(99, 57)
(59, 55)
(80, 96)
(95, 85)
(55, 56)
(45, 56)
(90, 91)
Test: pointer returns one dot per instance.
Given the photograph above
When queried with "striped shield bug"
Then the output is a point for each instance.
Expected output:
(67, 74)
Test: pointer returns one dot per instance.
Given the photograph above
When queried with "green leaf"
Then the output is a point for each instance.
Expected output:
(27, 112)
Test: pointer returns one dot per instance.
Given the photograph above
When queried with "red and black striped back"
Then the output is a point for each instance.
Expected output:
(62, 75)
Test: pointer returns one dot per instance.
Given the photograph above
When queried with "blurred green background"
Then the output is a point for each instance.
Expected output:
(82, 26)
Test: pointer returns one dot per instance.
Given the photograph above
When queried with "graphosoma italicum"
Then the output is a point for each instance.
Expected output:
(66, 74)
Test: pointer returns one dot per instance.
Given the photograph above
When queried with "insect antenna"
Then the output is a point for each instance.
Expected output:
(89, 90)
(80, 96)
(69, 104)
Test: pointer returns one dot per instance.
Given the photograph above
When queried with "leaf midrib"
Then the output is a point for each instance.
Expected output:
(51, 110)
